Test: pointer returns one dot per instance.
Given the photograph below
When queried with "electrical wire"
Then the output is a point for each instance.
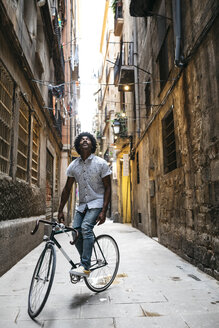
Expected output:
(50, 84)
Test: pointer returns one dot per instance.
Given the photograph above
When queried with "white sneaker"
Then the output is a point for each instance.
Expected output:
(80, 271)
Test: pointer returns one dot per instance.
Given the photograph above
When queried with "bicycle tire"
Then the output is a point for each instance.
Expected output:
(42, 280)
(103, 274)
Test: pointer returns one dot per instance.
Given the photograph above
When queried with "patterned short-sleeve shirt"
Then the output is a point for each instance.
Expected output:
(88, 174)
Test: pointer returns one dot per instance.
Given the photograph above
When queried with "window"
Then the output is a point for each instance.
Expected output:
(163, 36)
(23, 140)
(57, 174)
(49, 185)
(138, 171)
(105, 113)
(35, 152)
(29, 11)
(163, 63)
(169, 144)
(148, 97)
(6, 95)
(122, 101)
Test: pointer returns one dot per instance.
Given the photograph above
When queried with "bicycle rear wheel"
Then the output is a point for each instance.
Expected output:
(42, 280)
(104, 263)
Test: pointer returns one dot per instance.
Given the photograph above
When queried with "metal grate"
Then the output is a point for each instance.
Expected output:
(23, 138)
(35, 151)
(6, 96)
(169, 144)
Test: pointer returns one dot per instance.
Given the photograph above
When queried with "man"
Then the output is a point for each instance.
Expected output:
(92, 174)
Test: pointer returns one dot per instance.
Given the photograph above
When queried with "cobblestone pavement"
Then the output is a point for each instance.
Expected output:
(154, 288)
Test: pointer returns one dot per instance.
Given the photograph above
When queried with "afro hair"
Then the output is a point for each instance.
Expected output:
(90, 136)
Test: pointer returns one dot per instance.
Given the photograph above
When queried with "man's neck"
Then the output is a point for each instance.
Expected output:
(85, 154)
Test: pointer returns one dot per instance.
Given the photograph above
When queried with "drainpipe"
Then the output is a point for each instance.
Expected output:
(178, 56)
(136, 79)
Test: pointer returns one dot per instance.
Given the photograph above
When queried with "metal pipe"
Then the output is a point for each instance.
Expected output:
(136, 79)
(178, 56)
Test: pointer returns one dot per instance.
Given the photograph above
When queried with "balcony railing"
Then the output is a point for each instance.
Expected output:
(124, 69)
(117, 68)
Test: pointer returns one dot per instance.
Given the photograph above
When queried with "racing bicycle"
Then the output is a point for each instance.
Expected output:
(104, 265)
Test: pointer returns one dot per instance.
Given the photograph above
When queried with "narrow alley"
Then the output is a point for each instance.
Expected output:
(109, 108)
(154, 288)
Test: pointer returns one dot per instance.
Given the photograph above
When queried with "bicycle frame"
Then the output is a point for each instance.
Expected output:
(53, 240)
(105, 262)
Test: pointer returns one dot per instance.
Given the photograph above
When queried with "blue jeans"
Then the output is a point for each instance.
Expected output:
(84, 223)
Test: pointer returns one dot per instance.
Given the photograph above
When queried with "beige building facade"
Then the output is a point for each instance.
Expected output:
(33, 115)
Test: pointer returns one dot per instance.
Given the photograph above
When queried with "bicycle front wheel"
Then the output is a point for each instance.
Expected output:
(104, 263)
(42, 280)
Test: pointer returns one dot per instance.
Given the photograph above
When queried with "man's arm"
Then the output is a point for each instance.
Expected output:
(64, 197)
(107, 195)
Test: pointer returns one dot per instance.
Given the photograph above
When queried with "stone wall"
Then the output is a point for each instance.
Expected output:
(185, 202)
(16, 240)
(189, 220)
(18, 199)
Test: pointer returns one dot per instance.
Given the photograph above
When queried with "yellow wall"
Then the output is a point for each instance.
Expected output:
(126, 202)
(123, 190)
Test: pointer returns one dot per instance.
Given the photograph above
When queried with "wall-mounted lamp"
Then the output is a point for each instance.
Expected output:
(126, 87)
(116, 126)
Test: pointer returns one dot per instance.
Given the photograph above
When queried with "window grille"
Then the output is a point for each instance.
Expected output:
(35, 151)
(169, 144)
(6, 95)
(23, 139)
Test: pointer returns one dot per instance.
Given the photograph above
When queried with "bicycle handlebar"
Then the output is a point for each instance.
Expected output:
(56, 224)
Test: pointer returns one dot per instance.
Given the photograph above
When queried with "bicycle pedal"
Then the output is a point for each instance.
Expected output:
(74, 279)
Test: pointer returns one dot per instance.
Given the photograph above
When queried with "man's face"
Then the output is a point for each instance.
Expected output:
(85, 143)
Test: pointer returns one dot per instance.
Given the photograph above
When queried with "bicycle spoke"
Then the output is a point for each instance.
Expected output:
(42, 281)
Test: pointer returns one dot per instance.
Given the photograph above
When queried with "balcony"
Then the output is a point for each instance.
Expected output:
(124, 68)
(118, 19)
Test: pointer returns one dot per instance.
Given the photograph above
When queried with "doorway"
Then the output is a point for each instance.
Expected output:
(49, 185)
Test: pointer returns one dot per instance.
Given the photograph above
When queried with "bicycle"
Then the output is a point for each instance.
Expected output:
(104, 266)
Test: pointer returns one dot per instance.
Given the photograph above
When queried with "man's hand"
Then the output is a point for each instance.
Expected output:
(61, 217)
(101, 218)
(64, 197)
